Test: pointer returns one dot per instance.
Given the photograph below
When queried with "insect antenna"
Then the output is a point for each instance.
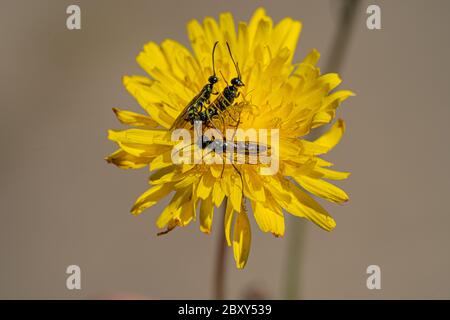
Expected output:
(234, 62)
(213, 64)
(223, 77)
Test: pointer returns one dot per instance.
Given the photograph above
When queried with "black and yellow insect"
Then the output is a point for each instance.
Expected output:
(200, 109)
(246, 148)
(226, 98)
(196, 107)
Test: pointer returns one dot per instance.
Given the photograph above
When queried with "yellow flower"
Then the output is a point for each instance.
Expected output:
(278, 94)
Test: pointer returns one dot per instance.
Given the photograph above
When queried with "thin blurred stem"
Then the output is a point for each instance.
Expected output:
(342, 38)
(296, 244)
(220, 270)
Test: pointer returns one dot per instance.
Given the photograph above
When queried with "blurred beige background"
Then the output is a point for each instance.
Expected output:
(61, 204)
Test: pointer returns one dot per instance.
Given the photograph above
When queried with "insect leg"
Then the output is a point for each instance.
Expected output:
(210, 121)
(232, 142)
(223, 123)
(235, 128)
(242, 180)
(229, 114)
(185, 147)
(223, 165)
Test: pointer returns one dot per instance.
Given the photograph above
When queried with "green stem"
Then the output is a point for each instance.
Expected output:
(296, 246)
(341, 41)
(298, 229)
(220, 269)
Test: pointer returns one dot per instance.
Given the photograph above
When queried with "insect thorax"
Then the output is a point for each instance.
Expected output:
(230, 93)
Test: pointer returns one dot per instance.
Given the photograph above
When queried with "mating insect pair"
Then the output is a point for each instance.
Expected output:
(201, 109)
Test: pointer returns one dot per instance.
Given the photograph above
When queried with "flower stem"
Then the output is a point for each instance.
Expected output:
(220, 269)
(296, 244)
(341, 40)
(339, 46)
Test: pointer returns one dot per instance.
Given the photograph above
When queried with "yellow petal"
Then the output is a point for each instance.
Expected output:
(323, 163)
(150, 197)
(329, 80)
(235, 192)
(198, 40)
(227, 221)
(165, 175)
(161, 161)
(321, 118)
(322, 189)
(189, 180)
(185, 213)
(125, 160)
(312, 58)
(213, 34)
(332, 137)
(327, 111)
(216, 170)
(292, 199)
(218, 195)
(134, 119)
(331, 174)
(228, 28)
(254, 23)
(290, 169)
(206, 215)
(278, 191)
(285, 35)
(243, 44)
(152, 57)
(144, 150)
(174, 208)
(175, 54)
(139, 88)
(261, 34)
(254, 186)
(305, 73)
(276, 66)
(268, 220)
(164, 78)
(241, 239)
(205, 186)
(159, 99)
(141, 136)
(303, 205)
(332, 101)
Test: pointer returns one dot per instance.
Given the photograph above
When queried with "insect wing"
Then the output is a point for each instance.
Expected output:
(180, 121)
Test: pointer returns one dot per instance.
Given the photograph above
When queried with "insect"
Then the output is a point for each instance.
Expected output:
(194, 110)
(226, 98)
(229, 150)
(247, 148)
(233, 148)
(224, 147)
